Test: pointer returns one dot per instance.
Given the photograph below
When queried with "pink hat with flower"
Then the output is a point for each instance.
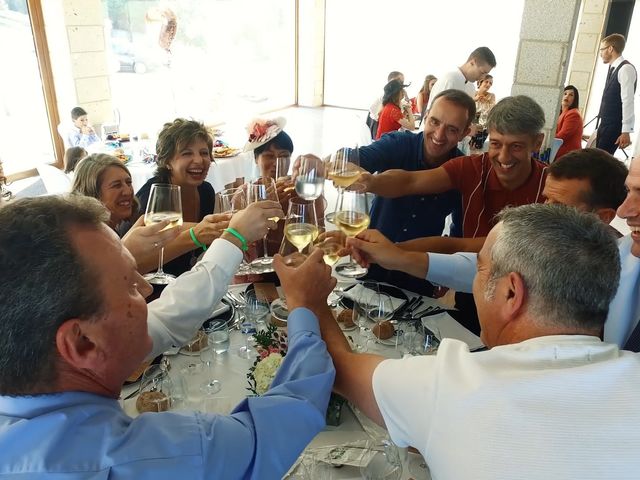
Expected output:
(261, 130)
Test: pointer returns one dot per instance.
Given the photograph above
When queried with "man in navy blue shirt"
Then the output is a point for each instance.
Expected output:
(415, 216)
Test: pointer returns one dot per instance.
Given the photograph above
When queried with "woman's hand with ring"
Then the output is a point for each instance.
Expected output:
(141, 239)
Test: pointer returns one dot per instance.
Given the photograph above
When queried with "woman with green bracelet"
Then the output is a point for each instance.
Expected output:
(184, 154)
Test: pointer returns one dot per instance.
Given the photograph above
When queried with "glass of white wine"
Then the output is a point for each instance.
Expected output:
(310, 178)
(352, 218)
(344, 170)
(230, 201)
(332, 243)
(301, 224)
(165, 203)
(264, 188)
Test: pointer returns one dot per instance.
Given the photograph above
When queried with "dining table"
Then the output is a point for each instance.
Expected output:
(230, 368)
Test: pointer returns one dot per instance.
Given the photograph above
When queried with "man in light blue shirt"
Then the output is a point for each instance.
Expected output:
(590, 180)
(73, 327)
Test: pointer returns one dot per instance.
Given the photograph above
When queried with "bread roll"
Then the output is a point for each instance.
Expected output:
(152, 402)
(383, 330)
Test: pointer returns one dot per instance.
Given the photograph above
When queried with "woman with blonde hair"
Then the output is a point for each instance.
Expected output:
(106, 178)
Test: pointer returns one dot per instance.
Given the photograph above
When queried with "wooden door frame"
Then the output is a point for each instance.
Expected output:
(36, 20)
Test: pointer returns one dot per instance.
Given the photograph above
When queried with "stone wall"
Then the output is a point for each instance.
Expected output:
(546, 38)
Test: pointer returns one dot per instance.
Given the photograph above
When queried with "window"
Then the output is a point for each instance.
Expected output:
(229, 60)
(366, 39)
(26, 136)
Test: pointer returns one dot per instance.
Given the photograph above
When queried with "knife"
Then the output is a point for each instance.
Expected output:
(400, 311)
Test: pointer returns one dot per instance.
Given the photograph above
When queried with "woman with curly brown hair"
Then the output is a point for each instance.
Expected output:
(184, 154)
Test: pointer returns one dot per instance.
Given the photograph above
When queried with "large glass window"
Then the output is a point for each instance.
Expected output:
(366, 39)
(228, 61)
(26, 138)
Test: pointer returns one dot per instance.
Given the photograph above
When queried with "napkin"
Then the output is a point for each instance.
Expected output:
(219, 309)
(444, 325)
(359, 293)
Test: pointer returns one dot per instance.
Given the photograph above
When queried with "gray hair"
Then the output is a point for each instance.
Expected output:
(516, 116)
(43, 283)
(568, 261)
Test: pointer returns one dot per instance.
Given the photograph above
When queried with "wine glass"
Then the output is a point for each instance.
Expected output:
(156, 390)
(352, 218)
(426, 340)
(264, 188)
(165, 203)
(255, 311)
(332, 243)
(381, 309)
(344, 170)
(310, 178)
(282, 168)
(208, 356)
(301, 224)
(232, 200)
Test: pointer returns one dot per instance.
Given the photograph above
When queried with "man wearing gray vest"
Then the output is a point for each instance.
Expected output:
(616, 117)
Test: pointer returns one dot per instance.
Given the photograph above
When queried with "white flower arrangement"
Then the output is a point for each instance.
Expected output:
(266, 371)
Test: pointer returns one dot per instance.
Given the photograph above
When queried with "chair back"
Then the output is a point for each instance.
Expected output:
(55, 180)
(555, 146)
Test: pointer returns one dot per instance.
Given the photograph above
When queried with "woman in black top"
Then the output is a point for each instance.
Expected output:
(184, 154)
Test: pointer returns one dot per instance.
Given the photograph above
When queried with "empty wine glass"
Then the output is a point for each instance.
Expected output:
(264, 188)
(255, 311)
(310, 177)
(156, 391)
(165, 203)
(208, 356)
(352, 218)
(232, 200)
(426, 340)
(344, 170)
(282, 168)
(384, 464)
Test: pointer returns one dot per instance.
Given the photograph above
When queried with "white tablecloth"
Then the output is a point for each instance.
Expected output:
(231, 370)
(222, 172)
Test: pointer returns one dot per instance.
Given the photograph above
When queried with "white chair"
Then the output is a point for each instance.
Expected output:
(55, 180)
(555, 146)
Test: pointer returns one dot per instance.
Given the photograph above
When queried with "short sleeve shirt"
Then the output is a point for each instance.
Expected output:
(483, 196)
(388, 119)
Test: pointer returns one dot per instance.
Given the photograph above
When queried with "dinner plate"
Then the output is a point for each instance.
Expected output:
(384, 288)
(232, 152)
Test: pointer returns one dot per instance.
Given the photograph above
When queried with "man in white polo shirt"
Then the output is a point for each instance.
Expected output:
(549, 397)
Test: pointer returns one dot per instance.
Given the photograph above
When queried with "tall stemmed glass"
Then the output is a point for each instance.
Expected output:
(233, 200)
(310, 178)
(344, 170)
(264, 188)
(300, 230)
(208, 356)
(301, 225)
(165, 203)
(352, 218)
